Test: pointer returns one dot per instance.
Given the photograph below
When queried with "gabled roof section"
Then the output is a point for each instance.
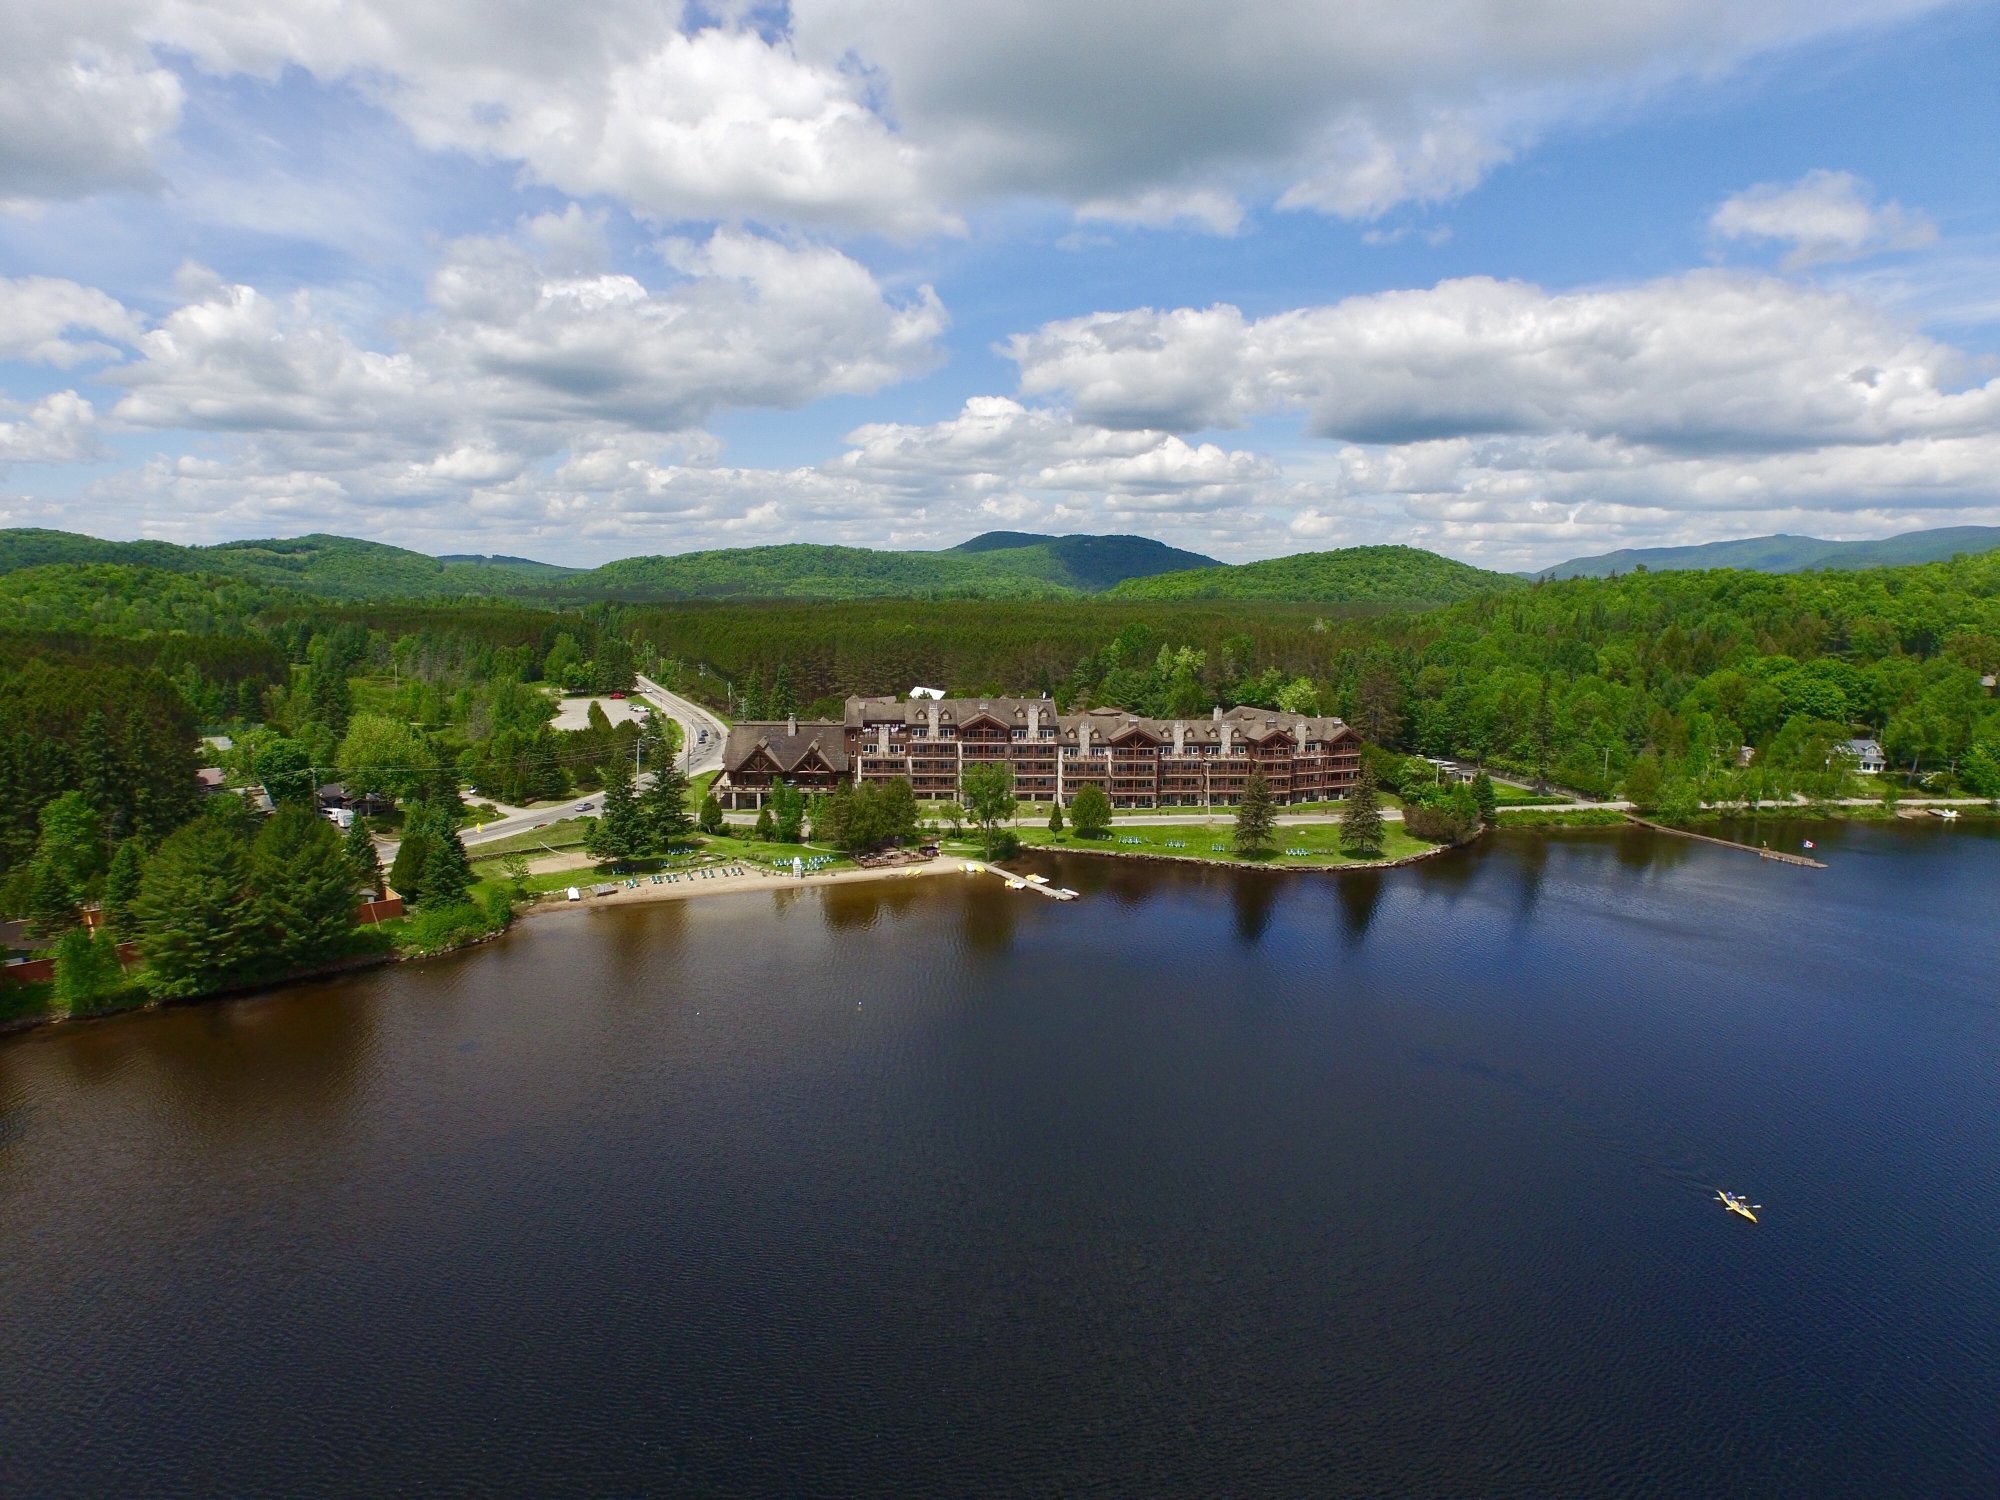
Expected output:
(785, 748)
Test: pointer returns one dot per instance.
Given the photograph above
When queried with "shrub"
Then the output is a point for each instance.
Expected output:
(439, 928)
(1444, 825)
(87, 970)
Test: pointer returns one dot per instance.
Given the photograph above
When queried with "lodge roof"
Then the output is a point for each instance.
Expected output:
(788, 743)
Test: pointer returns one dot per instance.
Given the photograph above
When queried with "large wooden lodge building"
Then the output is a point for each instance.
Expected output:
(1139, 762)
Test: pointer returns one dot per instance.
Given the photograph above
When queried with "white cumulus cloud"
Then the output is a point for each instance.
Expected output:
(1705, 361)
(60, 428)
(40, 314)
(1824, 216)
(886, 116)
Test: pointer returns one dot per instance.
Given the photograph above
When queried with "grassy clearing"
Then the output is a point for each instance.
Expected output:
(1560, 817)
(561, 836)
(1321, 843)
(1515, 796)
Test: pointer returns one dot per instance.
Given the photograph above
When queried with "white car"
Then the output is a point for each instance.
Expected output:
(583, 807)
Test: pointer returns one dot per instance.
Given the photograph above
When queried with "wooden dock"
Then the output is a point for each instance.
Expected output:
(1020, 882)
(1779, 855)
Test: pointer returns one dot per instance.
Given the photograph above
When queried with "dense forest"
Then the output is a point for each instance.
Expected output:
(1351, 575)
(1676, 688)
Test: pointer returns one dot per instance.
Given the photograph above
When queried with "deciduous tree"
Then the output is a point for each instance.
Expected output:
(988, 789)
(1090, 811)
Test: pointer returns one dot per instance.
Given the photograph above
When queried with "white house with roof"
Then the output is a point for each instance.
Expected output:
(1866, 756)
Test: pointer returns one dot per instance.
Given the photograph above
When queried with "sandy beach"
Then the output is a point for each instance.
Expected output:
(752, 879)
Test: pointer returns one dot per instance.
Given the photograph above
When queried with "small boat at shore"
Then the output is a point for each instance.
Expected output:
(1736, 1203)
(1949, 814)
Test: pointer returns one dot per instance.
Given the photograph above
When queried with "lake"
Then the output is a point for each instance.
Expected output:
(1208, 1182)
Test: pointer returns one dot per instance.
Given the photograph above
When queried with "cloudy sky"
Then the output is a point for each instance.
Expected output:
(1512, 279)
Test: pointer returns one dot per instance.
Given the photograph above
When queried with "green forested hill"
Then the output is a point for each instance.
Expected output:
(807, 571)
(1788, 554)
(1001, 565)
(1351, 575)
(1090, 563)
(998, 565)
(332, 566)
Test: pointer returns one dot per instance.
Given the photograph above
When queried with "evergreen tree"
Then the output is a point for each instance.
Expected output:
(784, 698)
(1055, 816)
(620, 834)
(325, 695)
(1489, 802)
(1090, 812)
(1544, 731)
(121, 889)
(664, 808)
(767, 827)
(750, 697)
(406, 872)
(52, 902)
(362, 858)
(305, 886)
(1361, 828)
(447, 872)
(711, 815)
(197, 919)
(1256, 816)
(101, 777)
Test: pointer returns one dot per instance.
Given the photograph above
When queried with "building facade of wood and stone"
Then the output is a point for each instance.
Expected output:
(1139, 762)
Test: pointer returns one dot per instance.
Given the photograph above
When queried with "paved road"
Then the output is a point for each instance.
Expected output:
(695, 721)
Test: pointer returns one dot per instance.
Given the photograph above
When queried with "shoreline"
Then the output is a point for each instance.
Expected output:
(754, 879)
(1351, 867)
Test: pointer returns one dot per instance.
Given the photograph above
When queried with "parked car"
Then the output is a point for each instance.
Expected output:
(583, 807)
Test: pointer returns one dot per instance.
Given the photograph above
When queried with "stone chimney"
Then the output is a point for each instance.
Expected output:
(1083, 737)
(1218, 711)
(882, 738)
(931, 709)
(1223, 747)
(1305, 733)
(791, 723)
(1180, 737)
(1034, 721)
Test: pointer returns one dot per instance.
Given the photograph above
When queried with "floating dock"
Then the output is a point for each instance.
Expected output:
(1039, 884)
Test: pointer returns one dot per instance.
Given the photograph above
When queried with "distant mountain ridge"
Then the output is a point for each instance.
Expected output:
(336, 567)
(1350, 575)
(999, 565)
(1091, 563)
(1786, 554)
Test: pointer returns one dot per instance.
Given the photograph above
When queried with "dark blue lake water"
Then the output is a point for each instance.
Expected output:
(1206, 1183)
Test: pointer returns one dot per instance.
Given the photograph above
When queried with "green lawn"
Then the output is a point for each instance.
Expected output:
(1514, 796)
(563, 835)
(1321, 843)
